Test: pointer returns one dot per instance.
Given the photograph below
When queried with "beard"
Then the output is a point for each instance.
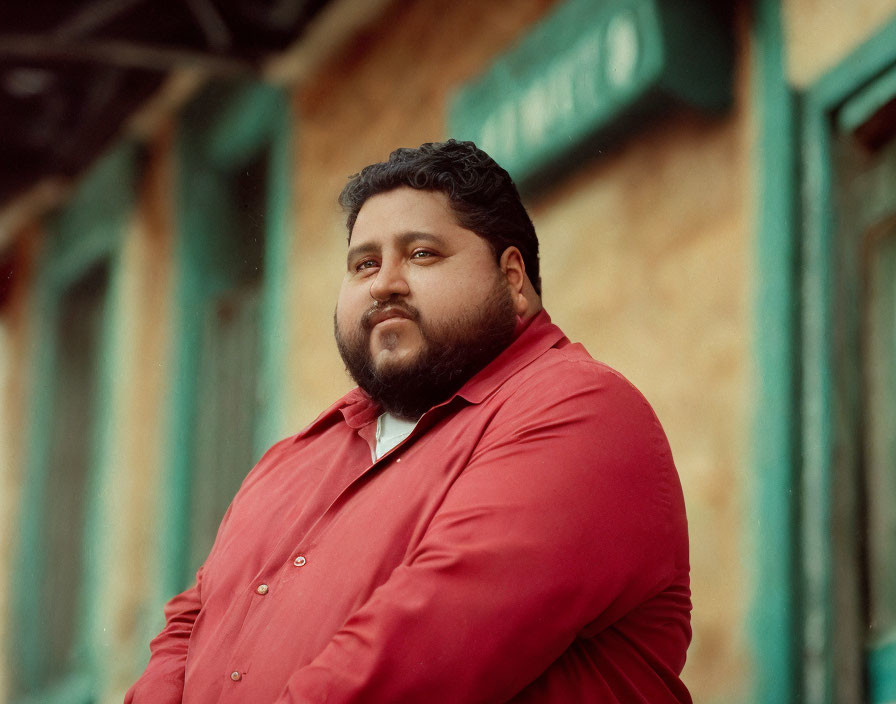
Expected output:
(449, 356)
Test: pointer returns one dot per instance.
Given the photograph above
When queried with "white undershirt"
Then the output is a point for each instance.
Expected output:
(390, 431)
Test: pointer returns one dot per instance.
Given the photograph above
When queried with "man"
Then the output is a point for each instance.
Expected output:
(491, 516)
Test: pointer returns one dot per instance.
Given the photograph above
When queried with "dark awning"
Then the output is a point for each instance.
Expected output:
(71, 73)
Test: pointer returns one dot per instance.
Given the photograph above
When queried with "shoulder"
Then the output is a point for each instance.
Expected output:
(270, 460)
(574, 408)
(578, 429)
(568, 378)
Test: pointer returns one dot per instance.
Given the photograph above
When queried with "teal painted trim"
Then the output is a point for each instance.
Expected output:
(227, 123)
(88, 231)
(274, 342)
(866, 102)
(25, 599)
(791, 612)
(867, 61)
(245, 125)
(221, 129)
(818, 421)
(175, 487)
(819, 108)
(882, 670)
(91, 222)
(775, 610)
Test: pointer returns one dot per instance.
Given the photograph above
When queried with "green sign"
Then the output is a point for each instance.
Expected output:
(587, 71)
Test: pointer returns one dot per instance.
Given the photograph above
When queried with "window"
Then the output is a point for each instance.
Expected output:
(849, 387)
(879, 453)
(864, 156)
(227, 393)
(233, 188)
(71, 436)
(60, 557)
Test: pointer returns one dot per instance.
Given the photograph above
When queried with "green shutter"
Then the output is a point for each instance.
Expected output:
(72, 430)
(232, 193)
(228, 409)
(60, 558)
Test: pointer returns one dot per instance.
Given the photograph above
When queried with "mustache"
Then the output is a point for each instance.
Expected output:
(379, 308)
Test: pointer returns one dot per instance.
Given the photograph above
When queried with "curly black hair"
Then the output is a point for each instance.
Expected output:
(482, 194)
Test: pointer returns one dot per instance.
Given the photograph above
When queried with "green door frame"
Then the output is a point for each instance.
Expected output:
(774, 628)
(224, 126)
(88, 231)
(793, 604)
(819, 107)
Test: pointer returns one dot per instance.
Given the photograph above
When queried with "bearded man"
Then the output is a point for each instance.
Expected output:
(490, 516)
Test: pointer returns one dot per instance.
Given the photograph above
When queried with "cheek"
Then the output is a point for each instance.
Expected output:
(446, 297)
(349, 309)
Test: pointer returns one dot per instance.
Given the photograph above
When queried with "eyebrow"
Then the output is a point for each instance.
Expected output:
(403, 240)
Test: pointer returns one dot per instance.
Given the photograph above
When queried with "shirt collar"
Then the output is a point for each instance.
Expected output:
(535, 337)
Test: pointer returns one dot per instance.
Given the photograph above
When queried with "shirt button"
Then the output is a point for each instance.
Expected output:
(236, 676)
(262, 589)
(299, 561)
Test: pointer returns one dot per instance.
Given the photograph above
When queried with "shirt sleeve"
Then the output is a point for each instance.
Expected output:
(163, 680)
(567, 517)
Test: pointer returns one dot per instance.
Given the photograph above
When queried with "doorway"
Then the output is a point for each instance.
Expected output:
(848, 483)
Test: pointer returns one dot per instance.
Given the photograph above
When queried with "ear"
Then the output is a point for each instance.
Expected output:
(514, 271)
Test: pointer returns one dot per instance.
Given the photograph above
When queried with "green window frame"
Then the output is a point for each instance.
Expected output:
(832, 591)
(227, 125)
(797, 608)
(84, 236)
(774, 616)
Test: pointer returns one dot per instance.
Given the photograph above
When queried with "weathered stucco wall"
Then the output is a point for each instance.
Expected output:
(647, 261)
(819, 33)
(131, 514)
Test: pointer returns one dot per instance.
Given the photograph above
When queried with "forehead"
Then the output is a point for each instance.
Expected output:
(404, 210)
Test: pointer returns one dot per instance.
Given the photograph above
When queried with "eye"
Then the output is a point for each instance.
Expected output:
(366, 264)
(423, 254)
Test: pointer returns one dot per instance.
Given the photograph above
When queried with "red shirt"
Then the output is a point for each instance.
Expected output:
(527, 541)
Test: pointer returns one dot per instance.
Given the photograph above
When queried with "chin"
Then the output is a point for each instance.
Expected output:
(389, 359)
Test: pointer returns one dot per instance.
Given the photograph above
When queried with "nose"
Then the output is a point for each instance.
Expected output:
(389, 281)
